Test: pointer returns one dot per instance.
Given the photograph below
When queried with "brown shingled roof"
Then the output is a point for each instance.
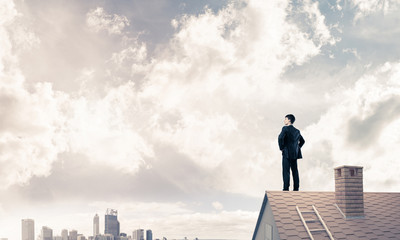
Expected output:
(381, 221)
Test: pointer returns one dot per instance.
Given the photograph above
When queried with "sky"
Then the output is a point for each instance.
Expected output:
(169, 111)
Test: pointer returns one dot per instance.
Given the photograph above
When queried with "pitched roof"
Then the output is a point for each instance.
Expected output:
(381, 221)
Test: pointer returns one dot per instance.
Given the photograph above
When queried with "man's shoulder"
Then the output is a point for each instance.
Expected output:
(293, 129)
(290, 128)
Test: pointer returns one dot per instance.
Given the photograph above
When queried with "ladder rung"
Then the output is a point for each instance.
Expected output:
(317, 230)
(308, 212)
(312, 221)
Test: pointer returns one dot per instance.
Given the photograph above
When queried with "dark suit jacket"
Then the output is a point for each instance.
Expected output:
(290, 142)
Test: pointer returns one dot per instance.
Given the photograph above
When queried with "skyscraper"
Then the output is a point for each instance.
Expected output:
(73, 235)
(64, 234)
(28, 229)
(96, 225)
(111, 224)
(47, 233)
(149, 235)
(138, 234)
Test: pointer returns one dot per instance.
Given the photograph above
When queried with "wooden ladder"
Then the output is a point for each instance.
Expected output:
(316, 218)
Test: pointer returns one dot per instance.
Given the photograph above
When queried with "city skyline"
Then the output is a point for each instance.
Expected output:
(169, 111)
(47, 233)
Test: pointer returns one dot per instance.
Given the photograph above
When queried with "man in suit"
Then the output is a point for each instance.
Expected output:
(290, 143)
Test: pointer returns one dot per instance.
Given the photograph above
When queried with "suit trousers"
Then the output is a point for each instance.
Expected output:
(287, 165)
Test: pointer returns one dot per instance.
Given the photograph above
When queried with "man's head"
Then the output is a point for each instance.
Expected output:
(289, 119)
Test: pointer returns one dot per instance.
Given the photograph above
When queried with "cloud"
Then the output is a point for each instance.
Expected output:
(9, 14)
(98, 20)
(35, 143)
(369, 7)
(206, 93)
(57, 121)
(217, 205)
(215, 89)
(352, 51)
(171, 177)
(320, 30)
(366, 131)
(356, 131)
(107, 130)
(31, 126)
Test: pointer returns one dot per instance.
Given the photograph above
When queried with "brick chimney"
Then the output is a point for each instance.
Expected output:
(349, 193)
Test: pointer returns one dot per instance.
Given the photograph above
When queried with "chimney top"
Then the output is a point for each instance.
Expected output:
(348, 166)
(349, 193)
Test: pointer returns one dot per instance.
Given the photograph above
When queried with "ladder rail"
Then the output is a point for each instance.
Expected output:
(323, 223)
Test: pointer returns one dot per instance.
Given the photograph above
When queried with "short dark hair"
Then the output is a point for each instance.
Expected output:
(291, 118)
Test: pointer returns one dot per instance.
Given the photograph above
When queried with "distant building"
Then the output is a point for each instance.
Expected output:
(73, 235)
(3, 238)
(64, 234)
(57, 238)
(47, 233)
(149, 235)
(123, 236)
(96, 225)
(104, 237)
(81, 237)
(111, 224)
(138, 234)
(28, 229)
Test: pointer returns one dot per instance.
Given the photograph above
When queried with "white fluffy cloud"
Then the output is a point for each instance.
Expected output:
(362, 129)
(321, 31)
(30, 137)
(97, 19)
(32, 124)
(108, 131)
(368, 7)
(204, 94)
(221, 71)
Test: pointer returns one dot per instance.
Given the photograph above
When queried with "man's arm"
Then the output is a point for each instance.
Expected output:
(301, 141)
(281, 138)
